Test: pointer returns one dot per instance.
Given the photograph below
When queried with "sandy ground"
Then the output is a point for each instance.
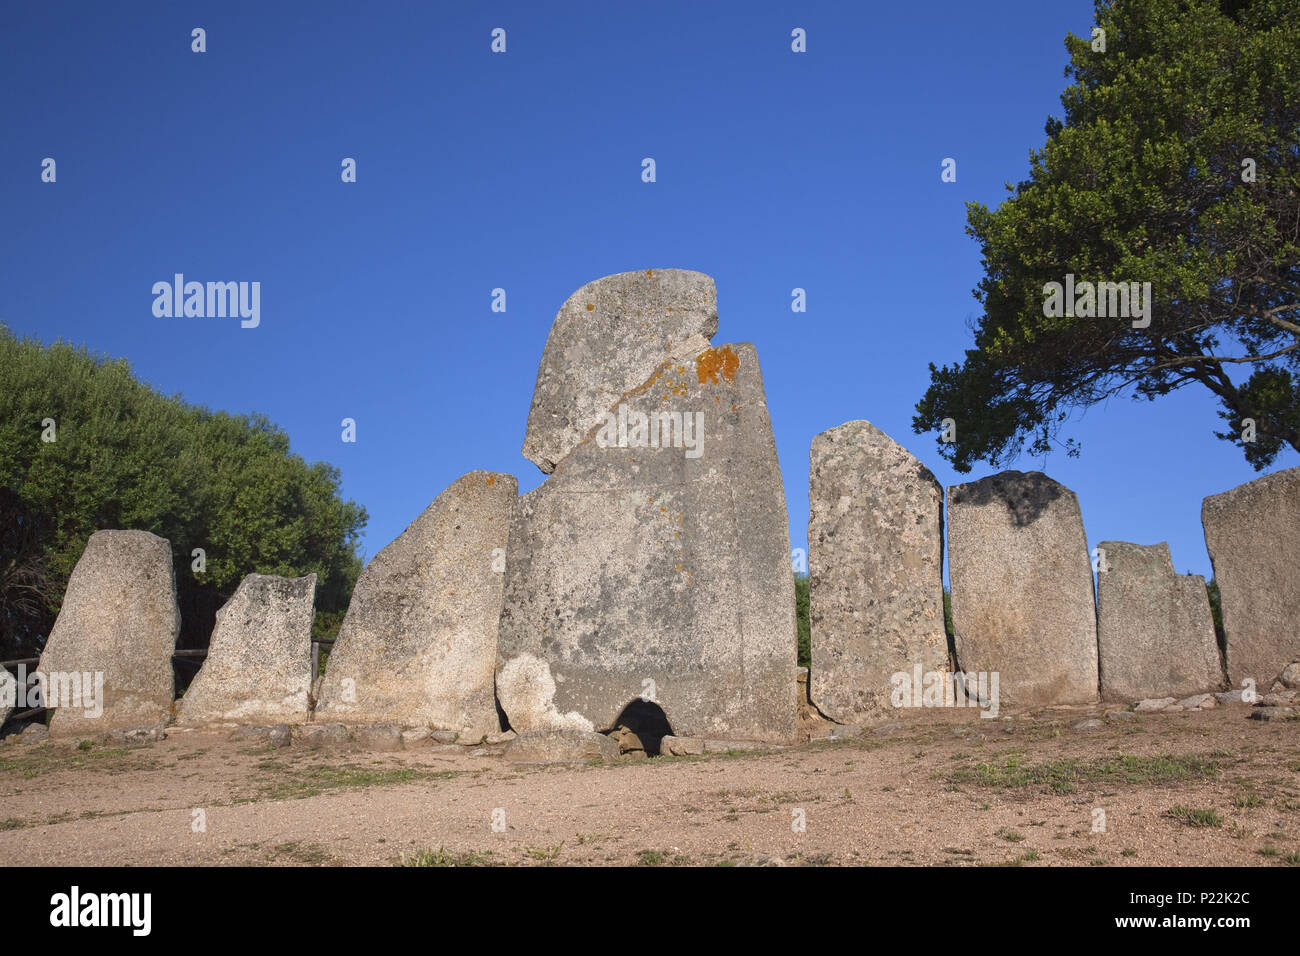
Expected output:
(944, 788)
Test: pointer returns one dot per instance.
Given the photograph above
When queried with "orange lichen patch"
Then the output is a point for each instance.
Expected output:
(492, 479)
(590, 307)
(711, 362)
(649, 272)
(670, 308)
(735, 408)
(677, 567)
(716, 399)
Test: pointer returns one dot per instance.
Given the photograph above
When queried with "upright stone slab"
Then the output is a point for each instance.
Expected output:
(118, 624)
(418, 644)
(1253, 535)
(875, 562)
(258, 668)
(654, 562)
(1022, 595)
(1155, 633)
(607, 339)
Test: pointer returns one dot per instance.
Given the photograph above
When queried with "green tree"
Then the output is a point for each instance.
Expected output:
(1147, 179)
(127, 457)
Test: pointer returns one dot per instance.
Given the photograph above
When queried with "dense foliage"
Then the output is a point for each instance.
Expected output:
(1177, 163)
(126, 457)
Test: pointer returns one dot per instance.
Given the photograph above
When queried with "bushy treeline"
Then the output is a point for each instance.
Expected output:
(123, 456)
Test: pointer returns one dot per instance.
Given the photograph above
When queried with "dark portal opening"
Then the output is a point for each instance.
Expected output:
(647, 721)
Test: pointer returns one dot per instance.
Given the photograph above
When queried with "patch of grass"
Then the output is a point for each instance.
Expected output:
(650, 858)
(300, 853)
(46, 759)
(1030, 856)
(290, 783)
(1247, 799)
(1195, 818)
(1011, 836)
(543, 854)
(445, 857)
(1067, 775)
(11, 823)
(1128, 851)
(1269, 851)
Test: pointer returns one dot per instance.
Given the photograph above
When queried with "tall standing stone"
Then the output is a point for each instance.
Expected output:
(654, 563)
(875, 556)
(1022, 594)
(258, 668)
(1155, 633)
(1253, 536)
(118, 624)
(418, 644)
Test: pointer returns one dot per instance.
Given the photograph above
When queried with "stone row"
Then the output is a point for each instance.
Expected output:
(645, 586)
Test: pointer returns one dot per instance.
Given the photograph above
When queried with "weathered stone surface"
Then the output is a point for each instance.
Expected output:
(1153, 704)
(324, 735)
(258, 667)
(417, 737)
(35, 734)
(875, 559)
(378, 737)
(1022, 598)
(666, 567)
(608, 339)
(419, 642)
(1253, 536)
(1232, 697)
(1272, 713)
(1290, 676)
(119, 618)
(561, 746)
(8, 694)
(1155, 633)
(280, 736)
(681, 746)
(1198, 702)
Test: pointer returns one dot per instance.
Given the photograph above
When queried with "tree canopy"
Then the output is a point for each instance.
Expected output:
(125, 457)
(1177, 163)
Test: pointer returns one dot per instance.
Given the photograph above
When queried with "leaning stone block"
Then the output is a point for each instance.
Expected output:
(258, 668)
(418, 645)
(1155, 633)
(1022, 595)
(1253, 535)
(117, 630)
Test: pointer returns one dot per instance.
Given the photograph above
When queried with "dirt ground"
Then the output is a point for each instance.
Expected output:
(944, 787)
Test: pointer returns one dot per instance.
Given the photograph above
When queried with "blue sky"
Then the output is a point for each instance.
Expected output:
(522, 171)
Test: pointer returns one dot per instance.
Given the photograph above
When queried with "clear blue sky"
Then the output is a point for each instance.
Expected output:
(522, 171)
